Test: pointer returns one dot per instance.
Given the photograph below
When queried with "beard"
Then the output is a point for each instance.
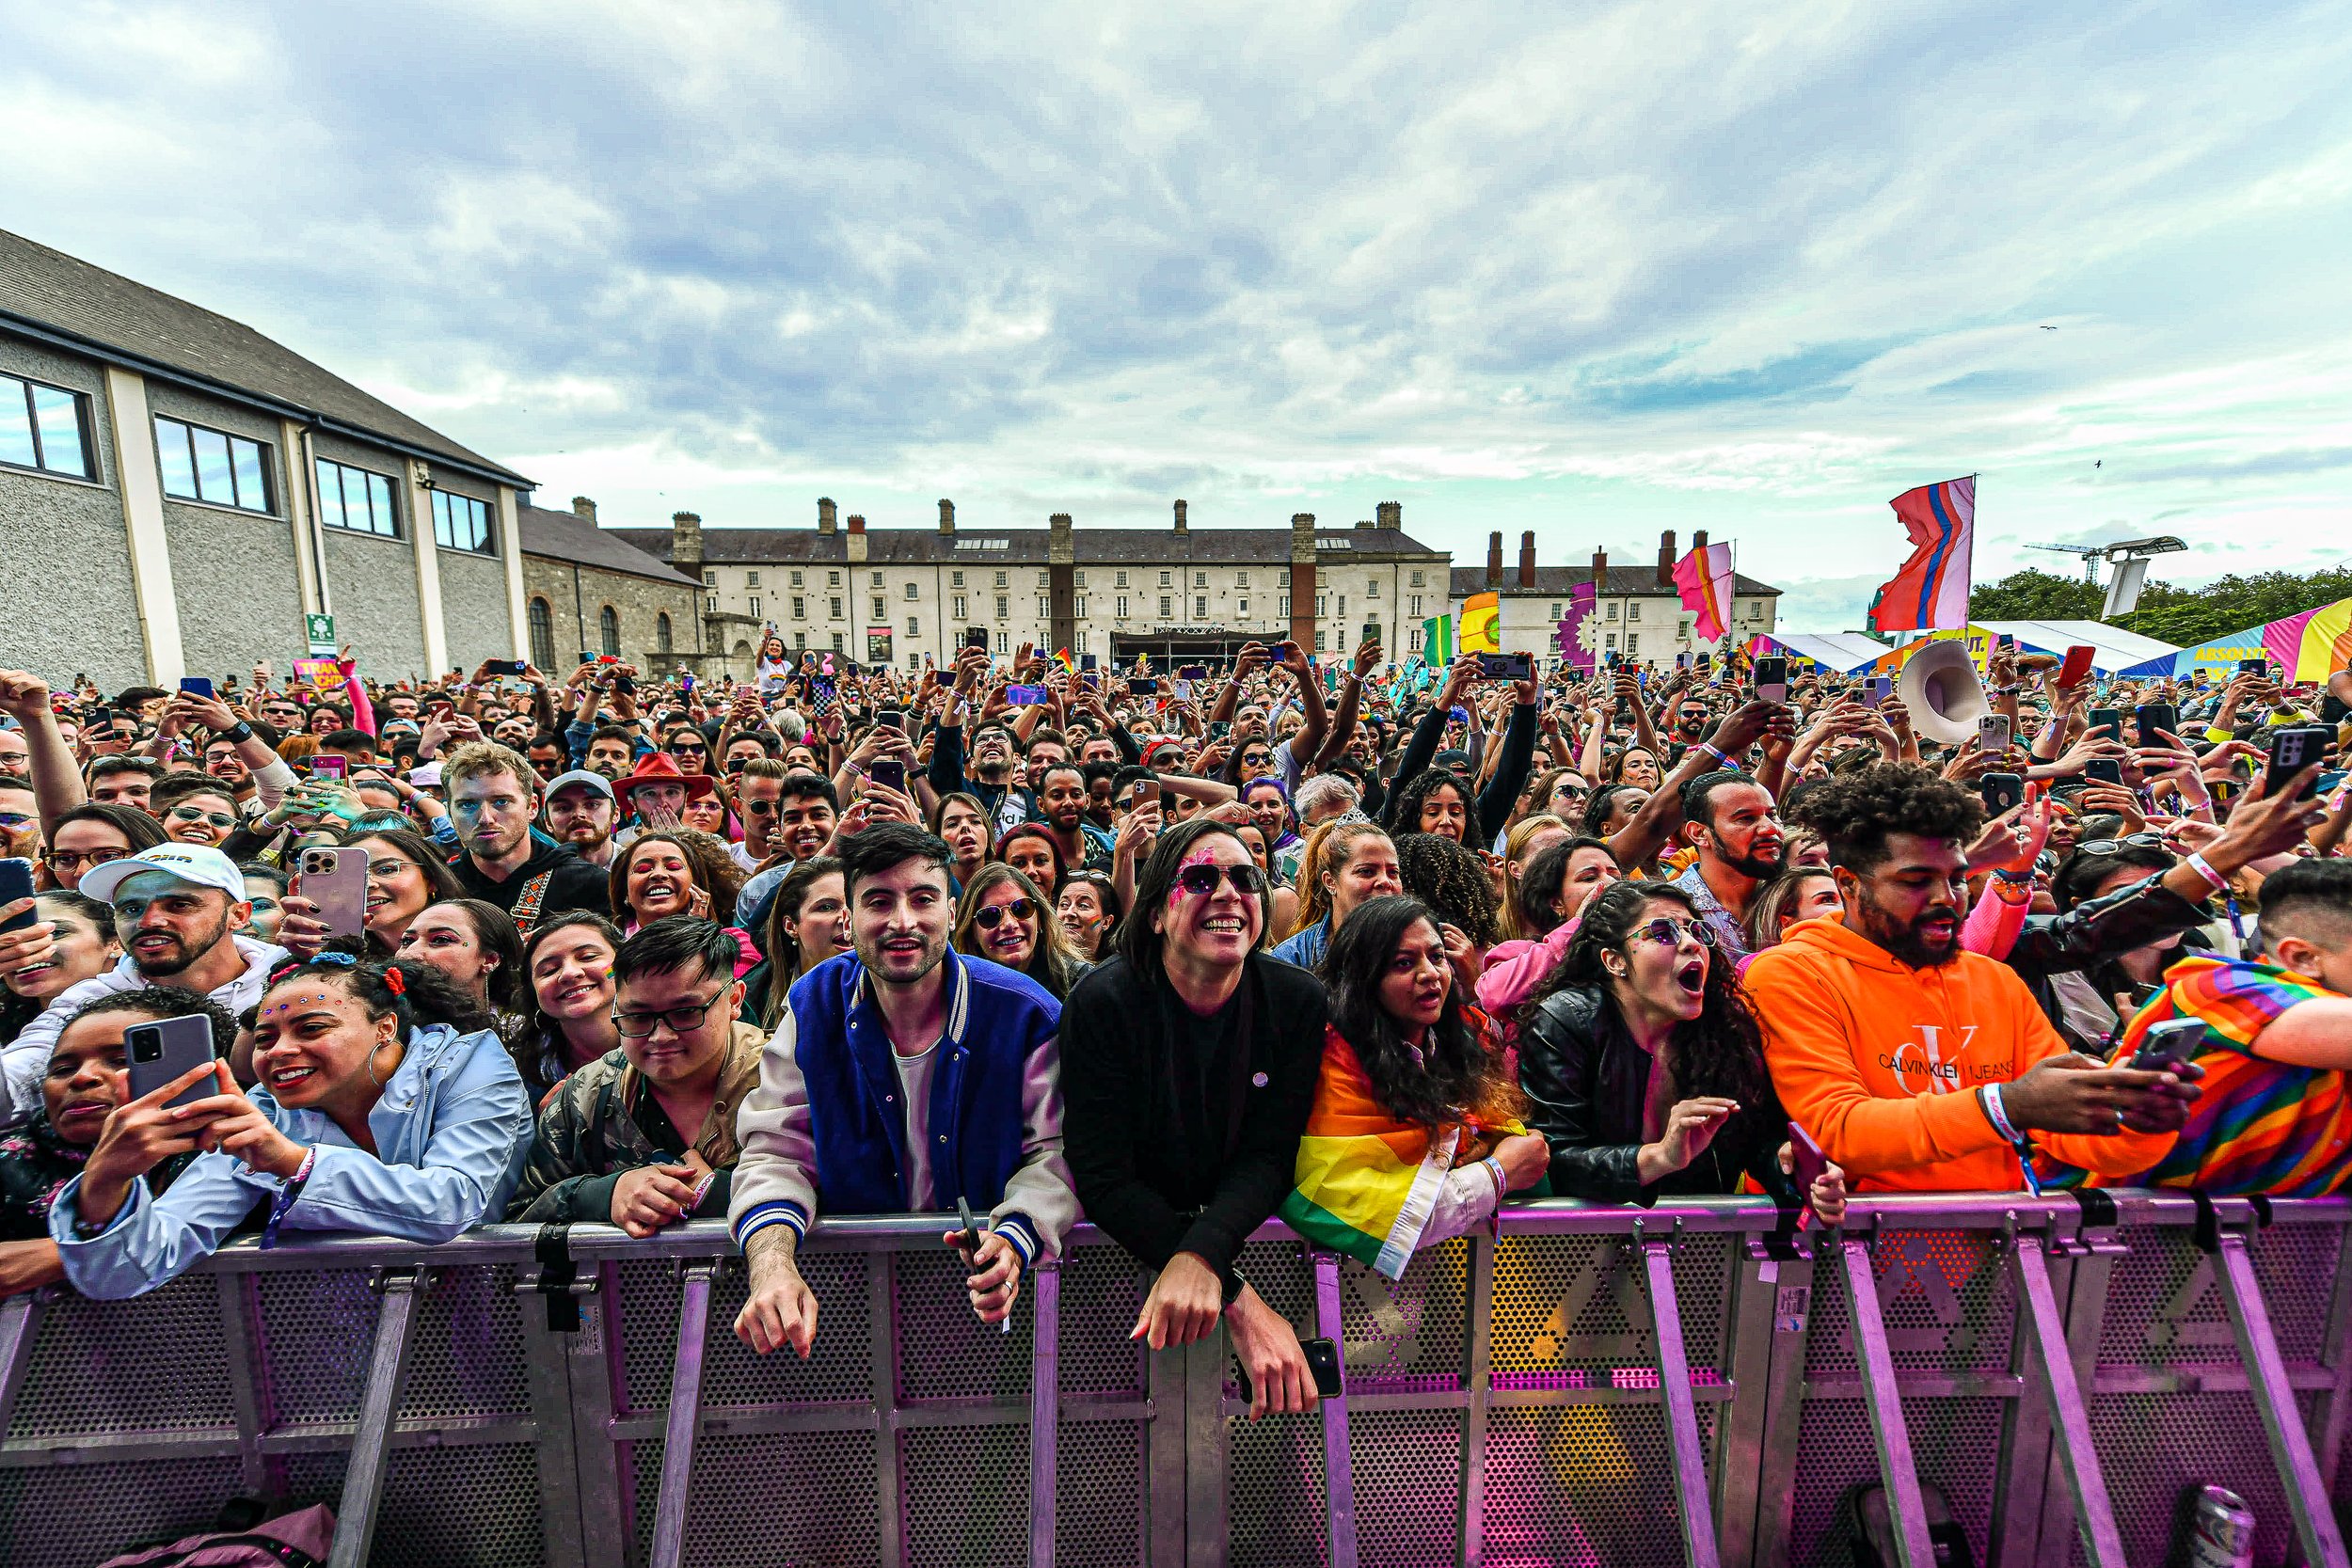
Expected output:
(1902, 940)
(183, 953)
(1756, 867)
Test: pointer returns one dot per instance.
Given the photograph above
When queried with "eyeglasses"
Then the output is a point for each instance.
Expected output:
(989, 917)
(1200, 880)
(198, 813)
(2117, 846)
(73, 860)
(638, 1026)
(1669, 932)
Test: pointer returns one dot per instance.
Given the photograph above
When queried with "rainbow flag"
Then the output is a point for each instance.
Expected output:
(1061, 656)
(1704, 581)
(1931, 592)
(1482, 623)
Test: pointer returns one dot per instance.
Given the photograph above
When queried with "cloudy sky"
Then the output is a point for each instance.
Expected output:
(1593, 270)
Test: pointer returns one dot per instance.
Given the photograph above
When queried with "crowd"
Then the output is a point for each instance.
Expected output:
(1372, 946)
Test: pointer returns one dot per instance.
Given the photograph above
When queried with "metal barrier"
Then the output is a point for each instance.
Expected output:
(1601, 1386)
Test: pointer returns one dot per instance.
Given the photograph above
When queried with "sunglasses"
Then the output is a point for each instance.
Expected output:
(1200, 880)
(198, 813)
(989, 917)
(1668, 932)
(2117, 846)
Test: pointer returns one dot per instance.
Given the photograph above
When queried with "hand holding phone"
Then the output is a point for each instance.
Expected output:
(2168, 1046)
(967, 1240)
(168, 1049)
(1811, 1164)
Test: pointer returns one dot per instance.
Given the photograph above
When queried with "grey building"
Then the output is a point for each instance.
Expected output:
(587, 590)
(1637, 611)
(178, 491)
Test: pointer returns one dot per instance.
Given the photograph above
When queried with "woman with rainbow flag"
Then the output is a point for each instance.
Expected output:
(1415, 1135)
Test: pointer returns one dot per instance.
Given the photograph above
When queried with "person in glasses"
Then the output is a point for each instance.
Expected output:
(1643, 1067)
(193, 809)
(901, 1077)
(87, 836)
(176, 911)
(1002, 917)
(644, 1136)
(1190, 1067)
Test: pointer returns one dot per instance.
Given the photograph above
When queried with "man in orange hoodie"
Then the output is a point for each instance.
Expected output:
(1918, 1066)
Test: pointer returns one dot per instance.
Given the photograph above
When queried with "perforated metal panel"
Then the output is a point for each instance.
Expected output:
(1590, 1485)
(1098, 1501)
(803, 1498)
(319, 1329)
(150, 1365)
(477, 1507)
(2156, 1448)
(946, 1353)
(1406, 1336)
(1409, 1489)
(74, 1515)
(1948, 1300)
(1955, 1443)
(1274, 1491)
(966, 1496)
(839, 1369)
(1102, 1292)
(467, 1353)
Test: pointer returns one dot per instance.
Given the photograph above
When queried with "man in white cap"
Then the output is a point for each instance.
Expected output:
(177, 907)
(581, 812)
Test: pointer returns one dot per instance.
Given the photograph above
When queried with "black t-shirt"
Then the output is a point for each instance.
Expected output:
(572, 883)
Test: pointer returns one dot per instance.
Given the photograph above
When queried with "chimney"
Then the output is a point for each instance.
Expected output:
(1180, 516)
(1303, 578)
(947, 516)
(1666, 559)
(1494, 559)
(1698, 539)
(1366, 523)
(686, 539)
(584, 507)
(825, 523)
(857, 538)
(1601, 571)
(1527, 560)
(1390, 514)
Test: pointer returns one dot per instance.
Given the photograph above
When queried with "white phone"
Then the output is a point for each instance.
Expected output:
(337, 881)
(1993, 733)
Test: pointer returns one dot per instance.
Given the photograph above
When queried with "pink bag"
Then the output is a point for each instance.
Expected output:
(297, 1539)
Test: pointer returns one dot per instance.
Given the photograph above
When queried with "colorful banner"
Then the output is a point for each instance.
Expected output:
(1568, 636)
(1482, 623)
(325, 674)
(2308, 646)
(1437, 641)
(1978, 639)
(1704, 580)
(1931, 592)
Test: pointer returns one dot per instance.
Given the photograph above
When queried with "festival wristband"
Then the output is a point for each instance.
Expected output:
(287, 1196)
(1989, 1095)
(2198, 864)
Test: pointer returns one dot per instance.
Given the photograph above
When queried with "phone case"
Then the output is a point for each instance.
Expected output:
(337, 881)
(16, 882)
(167, 1049)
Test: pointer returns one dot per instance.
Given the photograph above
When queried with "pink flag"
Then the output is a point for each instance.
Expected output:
(1704, 580)
(1568, 635)
(1931, 592)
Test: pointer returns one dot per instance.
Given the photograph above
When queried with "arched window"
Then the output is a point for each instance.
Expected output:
(609, 629)
(542, 635)
(662, 632)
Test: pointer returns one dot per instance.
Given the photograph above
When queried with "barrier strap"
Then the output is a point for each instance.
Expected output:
(2098, 1207)
(553, 1248)
(2207, 1233)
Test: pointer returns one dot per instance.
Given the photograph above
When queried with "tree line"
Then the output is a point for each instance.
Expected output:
(2182, 616)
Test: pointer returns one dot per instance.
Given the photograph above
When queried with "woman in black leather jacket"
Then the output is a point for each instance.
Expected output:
(2117, 928)
(1644, 1069)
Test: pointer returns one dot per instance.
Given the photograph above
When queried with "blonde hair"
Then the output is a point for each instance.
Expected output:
(1515, 845)
(1327, 848)
(480, 758)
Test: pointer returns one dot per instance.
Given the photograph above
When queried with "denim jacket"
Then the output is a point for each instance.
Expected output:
(453, 1129)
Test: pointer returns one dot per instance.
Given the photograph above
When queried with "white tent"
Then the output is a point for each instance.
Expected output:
(1840, 651)
(2112, 648)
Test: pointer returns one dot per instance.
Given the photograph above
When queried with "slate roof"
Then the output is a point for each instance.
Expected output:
(1095, 546)
(568, 536)
(1555, 582)
(64, 299)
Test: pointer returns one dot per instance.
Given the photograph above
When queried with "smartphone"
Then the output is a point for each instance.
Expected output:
(1025, 696)
(889, 772)
(892, 718)
(169, 1048)
(1993, 733)
(1144, 685)
(1147, 792)
(196, 686)
(2254, 667)
(2075, 669)
(1182, 690)
(1771, 678)
(2001, 792)
(1682, 661)
(16, 882)
(337, 881)
(505, 667)
(1194, 672)
(1877, 689)
(1705, 660)
(2148, 718)
(2104, 771)
(2168, 1046)
(330, 764)
(1371, 631)
(2106, 723)
(2004, 641)
(1090, 679)
(2292, 750)
(1810, 1164)
(1507, 667)
(975, 637)
(623, 683)
(1323, 1360)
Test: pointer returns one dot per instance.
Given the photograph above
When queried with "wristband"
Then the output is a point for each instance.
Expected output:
(2198, 864)
(1989, 1095)
(2014, 878)
(1719, 754)
(287, 1196)
(1502, 1185)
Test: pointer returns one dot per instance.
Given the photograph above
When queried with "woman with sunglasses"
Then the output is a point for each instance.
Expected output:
(1415, 1095)
(1188, 1063)
(1002, 918)
(1086, 906)
(1644, 1067)
(196, 812)
(386, 1105)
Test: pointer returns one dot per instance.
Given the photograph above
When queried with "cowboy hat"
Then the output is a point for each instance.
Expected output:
(661, 767)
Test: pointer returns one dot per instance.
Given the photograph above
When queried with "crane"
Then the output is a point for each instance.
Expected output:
(2092, 555)
(2129, 557)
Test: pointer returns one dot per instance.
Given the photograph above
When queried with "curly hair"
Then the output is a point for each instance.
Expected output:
(715, 873)
(1452, 880)
(1854, 813)
(1719, 1053)
(1456, 1070)
(1403, 815)
(1599, 807)
(1544, 881)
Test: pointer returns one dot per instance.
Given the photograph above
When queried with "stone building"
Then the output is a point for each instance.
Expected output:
(1638, 613)
(896, 595)
(178, 493)
(588, 591)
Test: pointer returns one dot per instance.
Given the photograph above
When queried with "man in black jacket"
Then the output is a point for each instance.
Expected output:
(1188, 1067)
(494, 797)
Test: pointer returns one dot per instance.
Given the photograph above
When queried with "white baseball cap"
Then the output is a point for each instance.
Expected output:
(197, 863)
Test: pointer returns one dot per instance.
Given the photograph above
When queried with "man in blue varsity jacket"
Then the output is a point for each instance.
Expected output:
(901, 1077)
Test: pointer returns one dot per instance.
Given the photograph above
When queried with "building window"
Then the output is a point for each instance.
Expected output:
(882, 608)
(1241, 579)
(1555, 610)
(461, 523)
(356, 500)
(209, 465)
(710, 577)
(796, 579)
(1003, 605)
(1342, 606)
(1201, 579)
(755, 606)
(800, 607)
(1371, 589)
(1613, 614)
(911, 590)
(1634, 610)
(1241, 607)
(1078, 609)
(1122, 604)
(1165, 580)
(835, 603)
(609, 630)
(1415, 580)
(1282, 606)
(1003, 580)
(955, 580)
(914, 664)
(1683, 629)
(1082, 640)
(878, 580)
(750, 579)
(1077, 580)
(833, 579)
(1416, 606)
(837, 642)
(661, 635)
(1413, 639)
(44, 427)
(1633, 642)
(711, 603)
(1201, 607)
(1045, 579)
(1121, 582)
(961, 614)
(1167, 608)
(1044, 608)
(542, 635)
(1323, 606)
(799, 642)
(914, 625)
(1319, 638)
(1002, 637)
(1610, 643)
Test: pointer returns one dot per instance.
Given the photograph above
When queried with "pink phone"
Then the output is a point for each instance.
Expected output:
(1811, 1165)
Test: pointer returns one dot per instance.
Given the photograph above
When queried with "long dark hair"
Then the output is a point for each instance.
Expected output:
(509, 988)
(423, 996)
(1139, 943)
(1454, 1072)
(1719, 1053)
(1544, 881)
(418, 851)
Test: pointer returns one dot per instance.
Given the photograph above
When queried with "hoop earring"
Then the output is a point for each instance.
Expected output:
(372, 1054)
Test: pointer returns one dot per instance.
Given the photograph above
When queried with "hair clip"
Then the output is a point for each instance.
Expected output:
(395, 982)
(340, 960)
